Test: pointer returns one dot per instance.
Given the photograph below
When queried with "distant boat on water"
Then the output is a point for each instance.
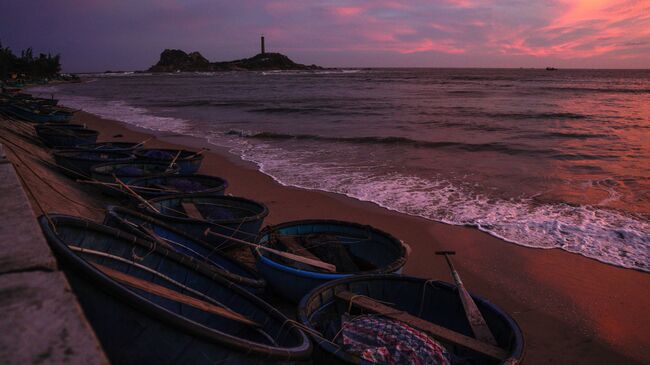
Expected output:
(551, 69)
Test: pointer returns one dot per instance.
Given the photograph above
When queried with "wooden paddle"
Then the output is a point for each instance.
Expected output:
(433, 329)
(128, 189)
(307, 261)
(164, 292)
(474, 316)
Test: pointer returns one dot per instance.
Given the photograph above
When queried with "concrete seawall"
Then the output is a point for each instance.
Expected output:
(41, 320)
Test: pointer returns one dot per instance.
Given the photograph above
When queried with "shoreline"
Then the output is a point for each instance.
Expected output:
(572, 309)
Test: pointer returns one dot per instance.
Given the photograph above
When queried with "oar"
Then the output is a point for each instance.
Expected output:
(128, 189)
(174, 160)
(142, 143)
(474, 316)
(173, 295)
(92, 182)
(311, 262)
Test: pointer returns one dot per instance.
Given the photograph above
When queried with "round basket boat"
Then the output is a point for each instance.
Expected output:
(149, 305)
(68, 137)
(77, 163)
(225, 216)
(148, 227)
(326, 307)
(126, 172)
(156, 186)
(189, 162)
(354, 249)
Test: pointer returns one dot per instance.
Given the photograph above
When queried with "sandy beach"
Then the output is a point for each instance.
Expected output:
(572, 310)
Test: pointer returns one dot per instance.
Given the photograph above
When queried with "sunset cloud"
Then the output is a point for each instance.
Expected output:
(490, 33)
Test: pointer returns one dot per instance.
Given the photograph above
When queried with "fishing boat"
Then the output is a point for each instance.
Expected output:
(78, 163)
(28, 114)
(155, 186)
(148, 305)
(150, 228)
(68, 137)
(229, 218)
(111, 146)
(37, 113)
(327, 250)
(401, 306)
(189, 162)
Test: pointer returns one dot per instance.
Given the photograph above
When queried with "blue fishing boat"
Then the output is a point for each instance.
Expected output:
(68, 137)
(353, 249)
(148, 305)
(150, 228)
(78, 163)
(225, 216)
(155, 186)
(336, 304)
(189, 162)
(27, 114)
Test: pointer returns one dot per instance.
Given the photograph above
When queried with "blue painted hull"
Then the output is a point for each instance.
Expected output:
(235, 217)
(131, 221)
(383, 251)
(434, 301)
(138, 327)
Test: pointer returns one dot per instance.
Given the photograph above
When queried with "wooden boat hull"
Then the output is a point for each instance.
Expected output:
(240, 218)
(188, 162)
(434, 301)
(182, 184)
(128, 220)
(387, 253)
(138, 327)
(77, 164)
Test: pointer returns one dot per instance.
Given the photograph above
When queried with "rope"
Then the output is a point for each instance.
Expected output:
(43, 180)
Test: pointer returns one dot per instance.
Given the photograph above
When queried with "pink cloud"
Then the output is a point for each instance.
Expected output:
(347, 10)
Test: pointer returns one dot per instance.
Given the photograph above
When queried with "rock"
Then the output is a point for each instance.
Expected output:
(174, 60)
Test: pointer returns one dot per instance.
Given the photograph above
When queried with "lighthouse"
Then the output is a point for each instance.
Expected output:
(262, 44)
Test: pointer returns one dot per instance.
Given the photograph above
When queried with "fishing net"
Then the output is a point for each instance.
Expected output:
(384, 341)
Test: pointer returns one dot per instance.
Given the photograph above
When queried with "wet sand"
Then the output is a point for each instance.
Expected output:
(572, 310)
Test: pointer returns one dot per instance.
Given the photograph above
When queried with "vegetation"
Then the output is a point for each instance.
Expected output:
(27, 66)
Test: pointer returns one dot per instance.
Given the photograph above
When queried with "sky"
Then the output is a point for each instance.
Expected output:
(99, 35)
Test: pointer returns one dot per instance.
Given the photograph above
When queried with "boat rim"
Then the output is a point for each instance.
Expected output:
(517, 352)
(261, 215)
(391, 267)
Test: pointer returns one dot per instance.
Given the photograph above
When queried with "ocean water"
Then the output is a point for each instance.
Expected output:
(539, 158)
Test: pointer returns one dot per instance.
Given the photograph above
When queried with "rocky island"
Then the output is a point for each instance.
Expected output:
(176, 60)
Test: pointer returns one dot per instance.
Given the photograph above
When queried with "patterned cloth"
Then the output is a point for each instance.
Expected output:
(385, 341)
